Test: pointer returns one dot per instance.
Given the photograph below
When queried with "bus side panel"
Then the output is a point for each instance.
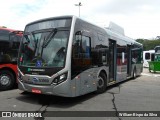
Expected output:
(139, 69)
(121, 59)
(121, 73)
(10, 66)
(85, 82)
(137, 60)
(86, 62)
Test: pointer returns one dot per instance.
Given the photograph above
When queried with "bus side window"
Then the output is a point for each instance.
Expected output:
(104, 56)
(77, 45)
(86, 46)
(6, 58)
(82, 46)
(147, 56)
(152, 56)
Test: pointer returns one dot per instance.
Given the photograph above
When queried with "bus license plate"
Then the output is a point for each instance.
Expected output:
(36, 91)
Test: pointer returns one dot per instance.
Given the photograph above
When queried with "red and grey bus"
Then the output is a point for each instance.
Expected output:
(67, 56)
(9, 45)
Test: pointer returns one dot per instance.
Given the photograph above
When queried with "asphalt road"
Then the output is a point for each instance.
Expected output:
(141, 94)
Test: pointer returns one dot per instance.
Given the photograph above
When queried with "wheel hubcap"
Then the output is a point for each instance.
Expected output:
(100, 82)
(4, 80)
(134, 73)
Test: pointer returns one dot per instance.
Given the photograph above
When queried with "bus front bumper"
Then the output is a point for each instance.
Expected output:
(46, 89)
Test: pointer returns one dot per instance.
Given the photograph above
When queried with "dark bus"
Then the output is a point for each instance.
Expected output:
(157, 53)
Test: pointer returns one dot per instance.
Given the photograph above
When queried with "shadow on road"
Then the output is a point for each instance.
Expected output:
(53, 101)
(59, 102)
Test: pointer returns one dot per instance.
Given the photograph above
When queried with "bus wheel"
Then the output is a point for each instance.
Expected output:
(134, 73)
(101, 84)
(7, 80)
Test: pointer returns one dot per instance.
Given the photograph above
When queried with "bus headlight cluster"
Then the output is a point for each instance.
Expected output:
(61, 78)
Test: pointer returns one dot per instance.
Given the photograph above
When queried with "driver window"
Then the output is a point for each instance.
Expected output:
(86, 46)
(81, 46)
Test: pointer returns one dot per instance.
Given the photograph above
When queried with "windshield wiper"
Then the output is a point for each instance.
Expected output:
(32, 39)
(27, 38)
(49, 37)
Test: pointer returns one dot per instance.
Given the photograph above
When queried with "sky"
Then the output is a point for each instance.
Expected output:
(139, 18)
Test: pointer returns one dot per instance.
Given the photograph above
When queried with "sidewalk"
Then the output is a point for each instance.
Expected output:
(147, 73)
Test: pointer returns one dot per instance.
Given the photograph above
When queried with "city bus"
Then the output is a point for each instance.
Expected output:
(67, 56)
(148, 56)
(157, 53)
(9, 45)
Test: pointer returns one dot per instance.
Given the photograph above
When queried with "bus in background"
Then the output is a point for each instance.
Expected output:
(148, 56)
(9, 45)
(157, 53)
(67, 56)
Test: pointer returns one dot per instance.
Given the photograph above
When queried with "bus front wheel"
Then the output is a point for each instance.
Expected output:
(7, 80)
(101, 84)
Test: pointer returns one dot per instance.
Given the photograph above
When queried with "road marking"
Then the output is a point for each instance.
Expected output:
(147, 74)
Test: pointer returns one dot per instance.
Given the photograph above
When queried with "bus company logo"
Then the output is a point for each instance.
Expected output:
(35, 79)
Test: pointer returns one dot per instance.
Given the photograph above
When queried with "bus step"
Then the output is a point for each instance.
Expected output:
(112, 82)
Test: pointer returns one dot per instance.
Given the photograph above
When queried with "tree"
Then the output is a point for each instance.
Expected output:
(148, 44)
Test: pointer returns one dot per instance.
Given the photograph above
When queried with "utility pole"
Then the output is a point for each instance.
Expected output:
(79, 5)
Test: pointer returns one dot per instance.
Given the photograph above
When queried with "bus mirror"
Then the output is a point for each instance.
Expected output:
(123, 56)
(103, 58)
(78, 38)
(78, 33)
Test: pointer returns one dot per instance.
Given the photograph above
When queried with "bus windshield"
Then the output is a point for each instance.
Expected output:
(44, 48)
(9, 45)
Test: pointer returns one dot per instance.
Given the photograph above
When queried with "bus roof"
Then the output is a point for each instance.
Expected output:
(119, 34)
(7, 29)
(150, 51)
(158, 46)
(50, 18)
(18, 32)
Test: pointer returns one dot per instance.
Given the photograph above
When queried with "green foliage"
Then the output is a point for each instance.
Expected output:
(148, 44)
(3, 27)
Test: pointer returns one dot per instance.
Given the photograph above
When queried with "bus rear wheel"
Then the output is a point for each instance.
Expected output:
(134, 73)
(101, 84)
(7, 80)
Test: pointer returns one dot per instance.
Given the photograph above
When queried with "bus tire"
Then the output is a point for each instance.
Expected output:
(101, 83)
(7, 80)
(134, 75)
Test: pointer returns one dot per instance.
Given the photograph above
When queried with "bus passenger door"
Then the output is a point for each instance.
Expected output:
(129, 60)
(112, 61)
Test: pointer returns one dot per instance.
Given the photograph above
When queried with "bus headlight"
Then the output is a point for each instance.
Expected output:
(61, 78)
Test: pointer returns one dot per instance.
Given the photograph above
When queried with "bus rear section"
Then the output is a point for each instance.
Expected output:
(9, 44)
(148, 56)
